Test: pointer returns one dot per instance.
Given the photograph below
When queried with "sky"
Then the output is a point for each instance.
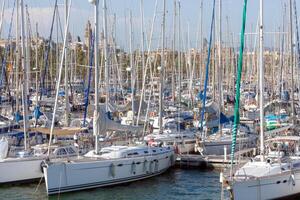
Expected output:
(40, 11)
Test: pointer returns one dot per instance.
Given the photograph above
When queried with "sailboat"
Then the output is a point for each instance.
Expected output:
(275, 173)
(215, 143)
(110, 165)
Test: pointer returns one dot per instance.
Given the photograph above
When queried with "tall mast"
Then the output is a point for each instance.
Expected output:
(96, 43)
(261, 78)
(67, 105)
(162, 70)
(220, 66)
(2, 15)
(59, 78)
(292, 61)
(106, 56)
(142, 37)
(201, 44)
(173, 57)
(25, 82)
(179, 55)
(132, 69)
(18, 55)
(36, 60)
(28, 43)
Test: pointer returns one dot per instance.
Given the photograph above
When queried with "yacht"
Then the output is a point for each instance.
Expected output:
(275, 176)
(25, 166)
(215, 144)
(112, 165)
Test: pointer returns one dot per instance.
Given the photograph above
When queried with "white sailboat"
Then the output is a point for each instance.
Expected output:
(276, 172)
(111, 165)
(277, 176)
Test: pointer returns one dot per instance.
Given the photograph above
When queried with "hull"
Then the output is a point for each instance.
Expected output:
(217, 147)
(186, 148)
(20, 170)
(84, 174)
(279, 186)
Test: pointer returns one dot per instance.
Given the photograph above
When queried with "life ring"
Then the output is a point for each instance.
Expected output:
(121, 114)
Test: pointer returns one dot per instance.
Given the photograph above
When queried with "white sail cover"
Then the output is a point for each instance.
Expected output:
(105, 124)
(3, 148)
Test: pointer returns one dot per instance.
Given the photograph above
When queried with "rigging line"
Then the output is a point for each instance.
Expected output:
(207, 66)
(59, 23)
(298, 42)
(238, 83)
(7, 49)
(86, 98)
(46, 60)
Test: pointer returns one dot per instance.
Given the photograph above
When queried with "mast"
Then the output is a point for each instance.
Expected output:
(179, 55)
(59, 78)
(292, 61)
(142, 38)
(2, 17)
(106, 56)
(173, 57)
(220, 66)
(162, 70)
(28, 56)
(261, 79)
(36, 61)
(96, 42)
(132, 70)
(17, 55)
(67, 105)
(25, 81)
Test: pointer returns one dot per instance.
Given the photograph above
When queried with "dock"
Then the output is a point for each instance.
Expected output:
(212, 161)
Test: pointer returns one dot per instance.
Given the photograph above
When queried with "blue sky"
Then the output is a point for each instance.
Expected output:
(40, 11)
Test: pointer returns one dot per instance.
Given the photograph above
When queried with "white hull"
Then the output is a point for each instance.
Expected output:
(88, 173)
(217, 147)
(270, 187)
(186, 148)
(18, 170)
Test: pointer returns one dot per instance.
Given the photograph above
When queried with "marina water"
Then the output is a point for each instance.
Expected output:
(177, 184)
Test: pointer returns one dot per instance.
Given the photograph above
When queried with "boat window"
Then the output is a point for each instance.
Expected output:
(61, 152)
(70, 150)
(146, 152)
(190, 142)
(131, 154)
(154, 151)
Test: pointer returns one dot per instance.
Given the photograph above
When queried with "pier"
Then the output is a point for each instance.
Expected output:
(212, 161)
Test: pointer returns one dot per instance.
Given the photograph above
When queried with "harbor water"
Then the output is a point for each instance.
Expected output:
(175, 184)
